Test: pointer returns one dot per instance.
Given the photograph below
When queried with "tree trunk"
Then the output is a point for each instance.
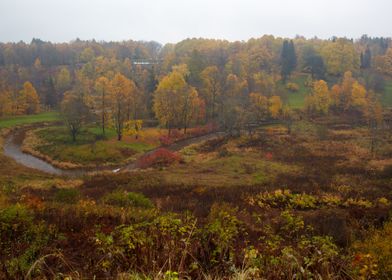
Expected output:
(103, 124)
(73, 132)
(103, 112)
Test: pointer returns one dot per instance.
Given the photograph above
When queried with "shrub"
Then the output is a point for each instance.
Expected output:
(358, 202)
(387, 171)
(383, 201)
(303, 201)
(126, 199)
(159, 157)
(223, 152)
(202, 130)
(174, 136)
(70, 196)
(373, 259)
(212, 145)
(15, 217)
(166, 140)
(293, 87)
(22, 240)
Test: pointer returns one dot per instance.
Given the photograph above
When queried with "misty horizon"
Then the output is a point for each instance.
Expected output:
(189, 38)
(173, 21)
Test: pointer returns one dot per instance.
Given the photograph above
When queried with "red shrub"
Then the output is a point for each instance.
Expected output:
(175, 135)
(166, 140)
(269, 156)
(159, 157)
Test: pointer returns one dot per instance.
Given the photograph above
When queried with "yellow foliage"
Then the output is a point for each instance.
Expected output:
(358, 96)
(340, 56)
(321, 99)
(275, 106)
(29, 102)
(175, 102)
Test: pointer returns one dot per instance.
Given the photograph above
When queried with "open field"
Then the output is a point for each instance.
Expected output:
(9, 122)
(90, 147)
(386, 97)
(295, 100)
(205, 159)
(225, 192)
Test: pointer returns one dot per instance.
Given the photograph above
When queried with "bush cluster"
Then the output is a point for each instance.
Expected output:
(158, 158)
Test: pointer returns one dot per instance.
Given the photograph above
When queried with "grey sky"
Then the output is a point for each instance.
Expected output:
(173, 20)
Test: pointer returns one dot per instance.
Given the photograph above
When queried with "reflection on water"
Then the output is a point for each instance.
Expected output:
(12, 150)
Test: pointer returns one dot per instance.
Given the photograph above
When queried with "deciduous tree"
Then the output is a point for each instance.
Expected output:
(31, 102)
(211, 88)
(103, 97)
(74, 112)
(122, 89)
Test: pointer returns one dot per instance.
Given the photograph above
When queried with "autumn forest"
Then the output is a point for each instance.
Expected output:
(269, 158)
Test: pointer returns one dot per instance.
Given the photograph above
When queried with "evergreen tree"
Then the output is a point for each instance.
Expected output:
(49, 93)
(313, 63)
(288, 59)
(366, 59)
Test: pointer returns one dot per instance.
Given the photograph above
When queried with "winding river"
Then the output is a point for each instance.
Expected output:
(13, 149)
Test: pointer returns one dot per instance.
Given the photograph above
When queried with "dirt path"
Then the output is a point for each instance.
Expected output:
(13, 144)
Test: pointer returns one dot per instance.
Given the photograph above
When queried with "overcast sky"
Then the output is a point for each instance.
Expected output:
(173, 20)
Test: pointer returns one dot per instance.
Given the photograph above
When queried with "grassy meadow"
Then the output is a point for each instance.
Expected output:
(9, 122)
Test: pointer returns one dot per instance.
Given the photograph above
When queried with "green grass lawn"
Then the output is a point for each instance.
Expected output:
(386, 97)
(90, 146)
(295, 100)
(9, 122)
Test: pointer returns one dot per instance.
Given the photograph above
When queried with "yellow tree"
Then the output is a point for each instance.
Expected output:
(264, 83)
(103, 97)
(62, 81)
(211, 87)
(320, 99)
(336, 92)
(259, 106)
(340, 56)
(233, 103)
(30, 99)
(192, 107)
(346, 90)
(133, 127)
(132, 100)
(275, 106)
(358, 97)
(174, 100)
(122, 89)
(87, 55)
(5, 103)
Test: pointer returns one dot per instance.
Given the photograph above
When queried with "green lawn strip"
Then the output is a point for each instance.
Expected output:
(90, 146)
(295, 100)
(9, 122)
(386, 97)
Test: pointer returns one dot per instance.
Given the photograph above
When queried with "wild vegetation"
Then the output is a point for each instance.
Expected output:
(265, 159)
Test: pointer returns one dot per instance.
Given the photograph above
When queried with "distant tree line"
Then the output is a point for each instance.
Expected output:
(193, 82)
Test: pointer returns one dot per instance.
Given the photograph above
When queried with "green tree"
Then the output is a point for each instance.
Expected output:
(74, 112)
(366, 59)
(288, 59)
